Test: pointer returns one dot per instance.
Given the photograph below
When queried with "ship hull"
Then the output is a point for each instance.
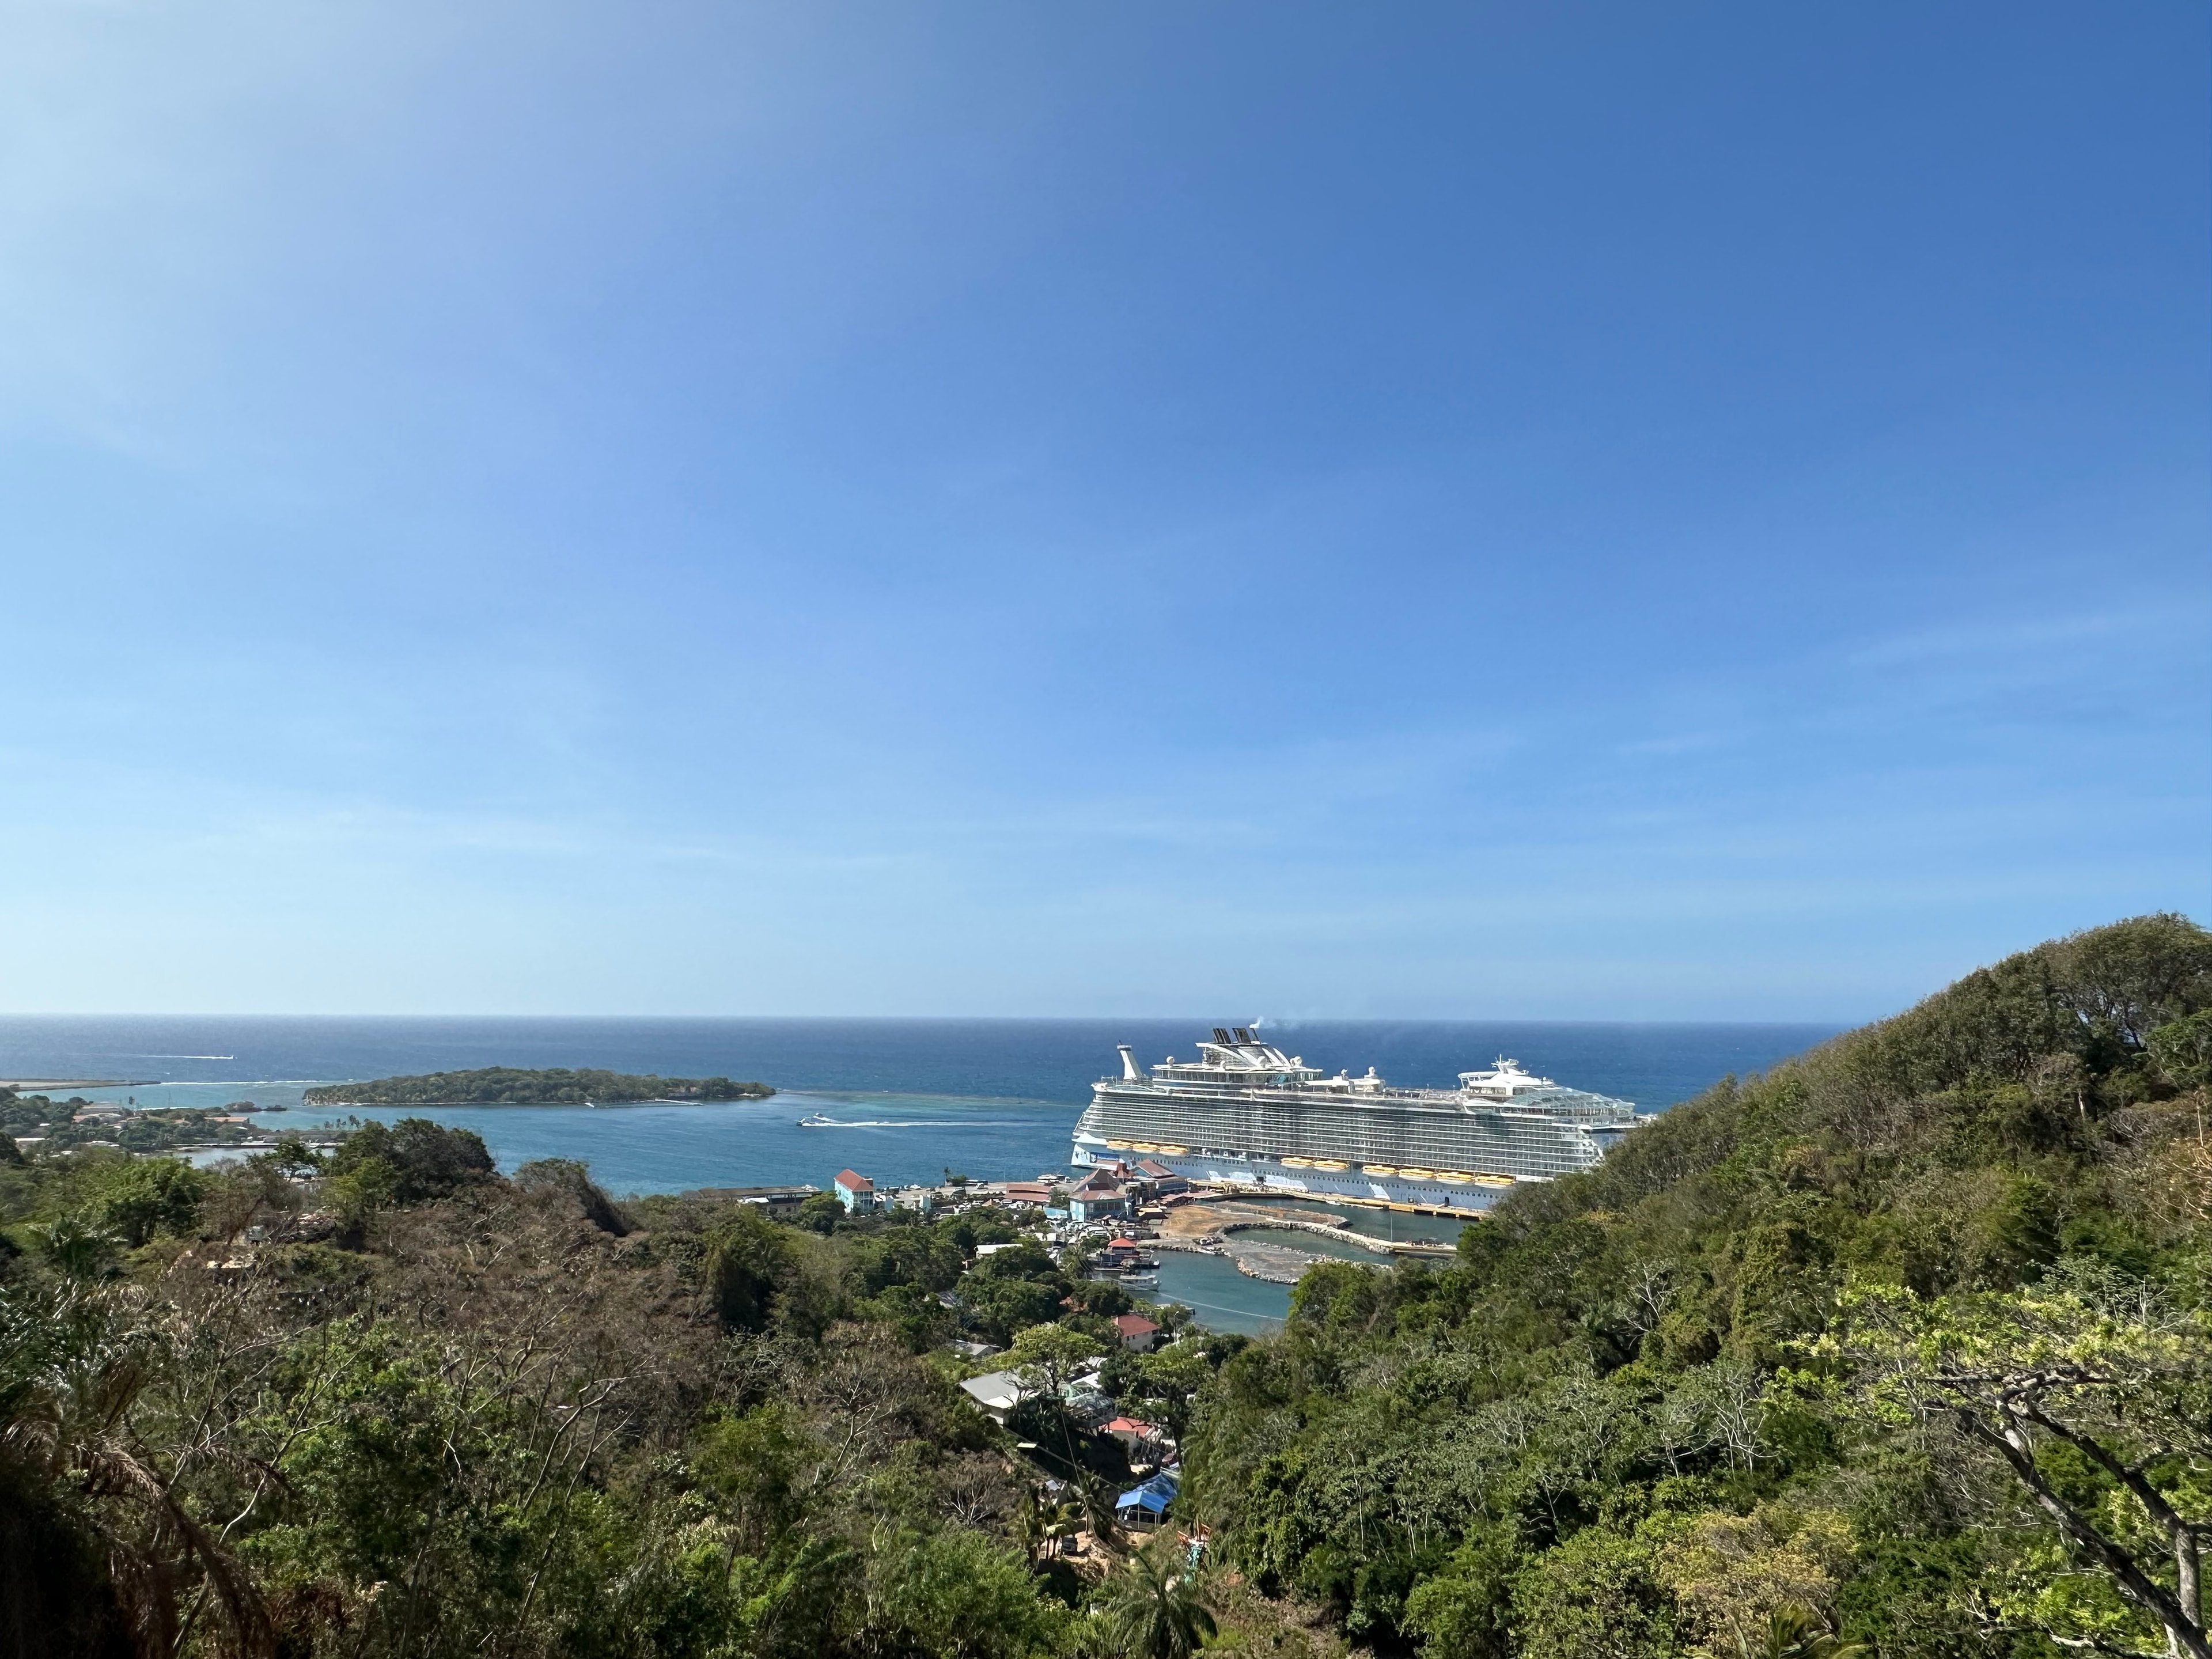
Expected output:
(1258, 1173)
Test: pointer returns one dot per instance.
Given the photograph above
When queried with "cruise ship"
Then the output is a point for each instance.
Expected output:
(1244, 1113)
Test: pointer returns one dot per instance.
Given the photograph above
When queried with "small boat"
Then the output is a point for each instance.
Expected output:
(1379, 1168)
(1297, 1164)
(1419, 1174)
(1328, 1163)
(816, 1121)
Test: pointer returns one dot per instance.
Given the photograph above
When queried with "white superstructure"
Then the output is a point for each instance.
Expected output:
(1243, 1111)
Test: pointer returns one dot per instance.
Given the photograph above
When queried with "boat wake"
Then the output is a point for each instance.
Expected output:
(817, 1121)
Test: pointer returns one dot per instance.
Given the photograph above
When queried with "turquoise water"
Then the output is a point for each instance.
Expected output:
(994, 1099)
(1371, 1223)
(1223, 1299)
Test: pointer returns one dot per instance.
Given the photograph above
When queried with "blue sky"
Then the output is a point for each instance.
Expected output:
(1581, 510)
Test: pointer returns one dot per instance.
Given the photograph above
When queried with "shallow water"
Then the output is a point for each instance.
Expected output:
(994, 1099)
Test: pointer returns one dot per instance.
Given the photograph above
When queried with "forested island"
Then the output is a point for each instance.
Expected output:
(503, 1085)
(1903, 1349)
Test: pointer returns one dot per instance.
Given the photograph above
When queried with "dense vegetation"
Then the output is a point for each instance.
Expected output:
(503, 1085)
(386, 1402)
(1906, 1341)
(1904, 1344)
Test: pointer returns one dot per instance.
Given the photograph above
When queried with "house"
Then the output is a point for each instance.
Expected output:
(1097, 1198)
(996, 1392)
(1132, 1433)
(1087, 1403)
(1143, 1508)
(1138, 1333)
(1119, 1253)
(856, 1192)
(1161, 1179)
(921, 1198)
(1029, 1192)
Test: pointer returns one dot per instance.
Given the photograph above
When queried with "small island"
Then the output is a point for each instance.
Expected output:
(504, 1086)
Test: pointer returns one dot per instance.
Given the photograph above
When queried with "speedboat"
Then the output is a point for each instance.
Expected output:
(816, 1121)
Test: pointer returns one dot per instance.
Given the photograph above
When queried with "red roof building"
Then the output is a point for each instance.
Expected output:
(1138, 1333)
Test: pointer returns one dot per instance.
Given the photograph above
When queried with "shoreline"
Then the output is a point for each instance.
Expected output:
(39, 1085)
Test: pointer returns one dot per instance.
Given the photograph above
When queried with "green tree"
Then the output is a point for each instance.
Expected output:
(749, 1260)
(421, 1161)
(2087, 1369)
(136, 1200)
(1155, 1606)
(1046, 1356)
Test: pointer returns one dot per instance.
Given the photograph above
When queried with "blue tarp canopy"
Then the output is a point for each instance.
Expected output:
(1155, 1495)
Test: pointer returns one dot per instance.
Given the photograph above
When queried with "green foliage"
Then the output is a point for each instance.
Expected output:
(750, 1262)
(1902, 1345)
(503, 1085)
(138, 1199)
(412, 1162)
(1155, 1607)
(1611, 1427)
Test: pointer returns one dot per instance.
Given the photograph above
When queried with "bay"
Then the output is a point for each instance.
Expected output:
(994, 1099)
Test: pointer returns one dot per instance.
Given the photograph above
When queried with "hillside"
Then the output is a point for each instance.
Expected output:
(503, 1085)
(1904, 1344)
(1750, 1367)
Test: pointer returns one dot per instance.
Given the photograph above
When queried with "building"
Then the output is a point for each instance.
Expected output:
(921, 1198)
(776, 1200)
(1158, 1179)
(996, 1392)
(856, 1192)
(1138, 1333)
(1143, 1508)
(1029, 1192)
(1136, 1436)
(1096, 1199)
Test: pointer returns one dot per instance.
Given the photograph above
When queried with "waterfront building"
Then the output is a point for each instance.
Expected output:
(1160, 1180)
(856, 1192)
(1097, 1199)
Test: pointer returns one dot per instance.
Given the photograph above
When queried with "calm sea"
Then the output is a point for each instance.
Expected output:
(912, 1098)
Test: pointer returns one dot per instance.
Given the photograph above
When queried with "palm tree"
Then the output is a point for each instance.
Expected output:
(1096, 1498)
(1796, 1632)
(1156, 1610)
(72, 1367)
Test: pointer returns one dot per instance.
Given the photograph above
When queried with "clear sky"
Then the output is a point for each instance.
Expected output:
(1689, 511)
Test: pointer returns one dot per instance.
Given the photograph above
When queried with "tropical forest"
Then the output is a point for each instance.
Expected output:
(1903, 1348)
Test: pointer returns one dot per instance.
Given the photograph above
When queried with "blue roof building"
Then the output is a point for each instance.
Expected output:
(1142, 1507)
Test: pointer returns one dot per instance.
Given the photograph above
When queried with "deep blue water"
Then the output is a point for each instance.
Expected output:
(989, 1098)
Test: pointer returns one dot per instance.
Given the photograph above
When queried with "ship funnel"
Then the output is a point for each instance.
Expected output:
(1130, 1072)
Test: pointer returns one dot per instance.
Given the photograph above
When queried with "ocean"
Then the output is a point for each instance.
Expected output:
(911, 1098)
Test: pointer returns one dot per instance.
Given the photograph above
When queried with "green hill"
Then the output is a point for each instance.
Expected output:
(1902, 1349)
(502, 1085)
(1754, 1368)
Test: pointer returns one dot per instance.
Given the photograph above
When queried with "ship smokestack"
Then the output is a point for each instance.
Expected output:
(1130, 1072)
